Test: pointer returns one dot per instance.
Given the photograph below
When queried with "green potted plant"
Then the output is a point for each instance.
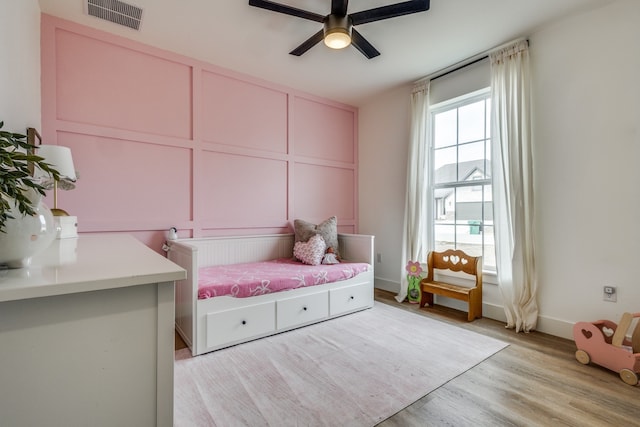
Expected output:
(26, 224)
(16, 175)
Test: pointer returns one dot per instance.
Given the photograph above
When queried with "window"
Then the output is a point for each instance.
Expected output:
(461, 161)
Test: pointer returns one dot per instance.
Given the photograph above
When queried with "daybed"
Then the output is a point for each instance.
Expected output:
(214, 323)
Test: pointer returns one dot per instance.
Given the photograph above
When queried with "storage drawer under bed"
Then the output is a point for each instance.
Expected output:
(230, 326)
(297, 311)
(350, 298)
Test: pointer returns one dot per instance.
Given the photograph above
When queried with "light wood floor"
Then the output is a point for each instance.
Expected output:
(535, 381)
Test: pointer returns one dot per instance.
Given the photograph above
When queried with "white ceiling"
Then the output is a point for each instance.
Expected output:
(236, 36)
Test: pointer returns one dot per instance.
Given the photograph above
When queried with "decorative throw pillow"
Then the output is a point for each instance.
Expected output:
(312, 251)
(328, 229)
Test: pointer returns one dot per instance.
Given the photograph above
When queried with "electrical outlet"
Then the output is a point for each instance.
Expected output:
(610, 293)
(379, 257)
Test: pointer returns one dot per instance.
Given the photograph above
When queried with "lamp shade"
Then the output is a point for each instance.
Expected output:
(60, 159)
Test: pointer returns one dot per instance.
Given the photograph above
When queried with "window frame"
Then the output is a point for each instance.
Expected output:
(447, 105)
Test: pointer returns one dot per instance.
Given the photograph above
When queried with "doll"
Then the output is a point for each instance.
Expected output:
(330, 257)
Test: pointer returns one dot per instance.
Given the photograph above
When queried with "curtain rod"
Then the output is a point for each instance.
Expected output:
(467, 62)
(459, 67)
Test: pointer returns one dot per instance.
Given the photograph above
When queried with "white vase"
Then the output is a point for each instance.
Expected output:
(26, 235)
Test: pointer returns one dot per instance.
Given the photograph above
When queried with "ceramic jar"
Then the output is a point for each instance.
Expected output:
(25, 236)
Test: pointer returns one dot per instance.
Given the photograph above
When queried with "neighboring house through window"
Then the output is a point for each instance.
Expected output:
(461, 166)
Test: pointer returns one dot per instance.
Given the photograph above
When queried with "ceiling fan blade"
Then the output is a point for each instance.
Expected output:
(287, 10)
(308, 44)
(339, 7)
(363, 45)
(390, 11)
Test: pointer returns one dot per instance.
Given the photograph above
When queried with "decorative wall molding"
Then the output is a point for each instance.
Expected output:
(162, 140)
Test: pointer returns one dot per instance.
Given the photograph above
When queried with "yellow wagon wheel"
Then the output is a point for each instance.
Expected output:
(629, 377)
(583, 357)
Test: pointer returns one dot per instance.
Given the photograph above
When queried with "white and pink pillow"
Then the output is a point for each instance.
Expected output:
(312, 251)
(328, 229)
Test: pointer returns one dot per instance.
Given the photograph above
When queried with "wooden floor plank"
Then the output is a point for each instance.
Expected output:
(536, 381)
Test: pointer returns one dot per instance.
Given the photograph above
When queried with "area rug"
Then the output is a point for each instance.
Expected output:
(356, 370)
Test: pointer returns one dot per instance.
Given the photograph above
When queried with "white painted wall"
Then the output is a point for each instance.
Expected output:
(382, 156)
(587, 145)
(20, 65)
(587, 148)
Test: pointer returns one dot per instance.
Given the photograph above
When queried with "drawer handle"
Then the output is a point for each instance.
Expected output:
(304, 308)
(351, 297)
(244, 322)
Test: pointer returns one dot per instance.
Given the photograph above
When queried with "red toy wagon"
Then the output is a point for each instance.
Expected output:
(606, 344)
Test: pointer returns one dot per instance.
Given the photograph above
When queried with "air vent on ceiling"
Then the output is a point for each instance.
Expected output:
(115, 11)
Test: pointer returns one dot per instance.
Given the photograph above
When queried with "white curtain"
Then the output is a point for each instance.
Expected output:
(512, 165)
(417, 211)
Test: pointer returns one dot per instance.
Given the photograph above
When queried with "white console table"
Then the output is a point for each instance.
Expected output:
(87, 335)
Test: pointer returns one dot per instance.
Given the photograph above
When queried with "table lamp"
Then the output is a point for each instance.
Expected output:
(60, 159)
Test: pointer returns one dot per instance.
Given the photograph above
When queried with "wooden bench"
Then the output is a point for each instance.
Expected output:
(454, 260)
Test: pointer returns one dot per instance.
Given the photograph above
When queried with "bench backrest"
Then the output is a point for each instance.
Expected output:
(455, 260)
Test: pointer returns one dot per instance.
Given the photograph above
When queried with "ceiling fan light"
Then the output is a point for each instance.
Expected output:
(338, 39)
(337, 31)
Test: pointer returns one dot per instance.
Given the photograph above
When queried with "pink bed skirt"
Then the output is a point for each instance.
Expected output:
(259, 278)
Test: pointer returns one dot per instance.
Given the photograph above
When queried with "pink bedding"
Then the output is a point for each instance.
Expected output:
(258, 278)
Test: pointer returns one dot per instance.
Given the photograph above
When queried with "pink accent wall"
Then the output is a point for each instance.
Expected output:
(230, 107)
(162, 140)
(109, 85)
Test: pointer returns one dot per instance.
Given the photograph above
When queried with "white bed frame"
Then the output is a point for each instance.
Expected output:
(214, 323)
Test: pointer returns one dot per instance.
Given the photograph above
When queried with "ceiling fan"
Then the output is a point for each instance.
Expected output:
(338, 31)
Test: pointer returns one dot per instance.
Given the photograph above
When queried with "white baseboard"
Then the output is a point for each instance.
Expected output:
(548, 325)
(555, 327)
(386, 285)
